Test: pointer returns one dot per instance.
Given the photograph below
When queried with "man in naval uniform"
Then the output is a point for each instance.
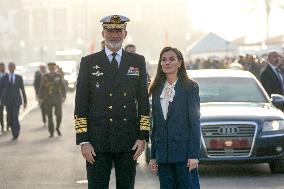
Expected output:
(112, 109)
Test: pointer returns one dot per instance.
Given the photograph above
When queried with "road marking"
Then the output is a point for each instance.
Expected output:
(26, 111)
(81, 181)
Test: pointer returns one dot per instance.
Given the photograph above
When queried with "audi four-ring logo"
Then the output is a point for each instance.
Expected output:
(228, 130)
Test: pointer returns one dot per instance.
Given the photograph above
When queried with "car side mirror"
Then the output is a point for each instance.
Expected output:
(277, 100)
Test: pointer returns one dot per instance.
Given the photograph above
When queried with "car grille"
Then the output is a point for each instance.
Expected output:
(228, 139)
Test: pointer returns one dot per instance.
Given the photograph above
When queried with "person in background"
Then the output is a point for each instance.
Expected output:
(175, 137)
(3, 74)
(52, 93)
(14, 96)
(130, 48)
(37, 80)
(112, 109)
(271, 77)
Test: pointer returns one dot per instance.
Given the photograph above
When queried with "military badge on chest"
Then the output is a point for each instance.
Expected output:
(133, 71)
(97, 74)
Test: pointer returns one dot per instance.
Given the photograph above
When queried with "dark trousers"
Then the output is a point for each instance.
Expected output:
(58, 115)
(13, 119)
(2, 116)
(99, 173)
(43, 112)
(177, 176)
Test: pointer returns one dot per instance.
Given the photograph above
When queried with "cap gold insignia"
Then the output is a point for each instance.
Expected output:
(115, 20)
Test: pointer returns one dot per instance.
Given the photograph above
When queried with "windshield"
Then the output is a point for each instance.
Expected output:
(228, 89)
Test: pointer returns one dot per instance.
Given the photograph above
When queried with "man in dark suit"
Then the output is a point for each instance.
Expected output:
(2, 76)
(112, 109)
(271, 77)
(14, 95)
(37, 81)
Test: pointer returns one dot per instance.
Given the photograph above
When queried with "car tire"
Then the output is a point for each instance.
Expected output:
(277, 167)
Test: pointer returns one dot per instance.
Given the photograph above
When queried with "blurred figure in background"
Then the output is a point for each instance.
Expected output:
(2, 76)
(13, 94)
(52, 93)
(37, 80)
(130, 48)
(271, 77)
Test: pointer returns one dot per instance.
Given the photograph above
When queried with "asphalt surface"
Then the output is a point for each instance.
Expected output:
(36, 161)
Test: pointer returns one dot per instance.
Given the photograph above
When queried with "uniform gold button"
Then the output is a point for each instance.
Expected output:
(110, 107)
(110, 94)
(124, 94)
(124, 119)
(110, 120)
(124, 107)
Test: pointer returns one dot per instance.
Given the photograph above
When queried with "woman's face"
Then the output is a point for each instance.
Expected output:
(170, 62)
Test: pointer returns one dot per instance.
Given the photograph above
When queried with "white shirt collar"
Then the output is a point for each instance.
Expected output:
(109, 52)
(168, 91)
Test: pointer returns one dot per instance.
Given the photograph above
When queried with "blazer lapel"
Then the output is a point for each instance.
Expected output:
(158, 100)
(104, 67)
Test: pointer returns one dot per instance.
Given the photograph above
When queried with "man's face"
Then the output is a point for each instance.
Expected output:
(52, 68)
(11, 67)
(42, 69)
(114, 38)
(2, 67)
(273, 58)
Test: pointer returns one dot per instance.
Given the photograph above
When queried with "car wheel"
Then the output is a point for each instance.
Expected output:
(277, 167)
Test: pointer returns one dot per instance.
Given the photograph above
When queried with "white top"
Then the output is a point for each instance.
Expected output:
(167, 96)
(117, 57)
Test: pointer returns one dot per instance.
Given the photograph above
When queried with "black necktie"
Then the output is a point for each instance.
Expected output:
(114, 63)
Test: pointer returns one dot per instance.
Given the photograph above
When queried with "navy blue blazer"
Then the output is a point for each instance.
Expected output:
(177, 138)
(12, 91)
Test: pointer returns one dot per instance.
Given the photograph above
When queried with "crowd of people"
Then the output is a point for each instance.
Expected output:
(50, 90)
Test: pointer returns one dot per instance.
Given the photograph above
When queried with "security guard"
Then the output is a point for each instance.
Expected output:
(52, 92)
(112, 109)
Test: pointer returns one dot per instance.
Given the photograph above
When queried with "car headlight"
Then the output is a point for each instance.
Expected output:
(275, 125)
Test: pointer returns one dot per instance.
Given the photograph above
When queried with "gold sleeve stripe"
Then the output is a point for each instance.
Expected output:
(145, 123)
(80, 124)
(82, 130)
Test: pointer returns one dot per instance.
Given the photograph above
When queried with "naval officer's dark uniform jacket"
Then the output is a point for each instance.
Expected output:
(112, 110)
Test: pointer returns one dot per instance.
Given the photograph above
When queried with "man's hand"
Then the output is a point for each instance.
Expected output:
(25, 105)
(139, 147)
(153, 165)
(88, 152)
(192, 164)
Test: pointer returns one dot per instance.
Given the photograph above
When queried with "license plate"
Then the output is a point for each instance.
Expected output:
(228, 143)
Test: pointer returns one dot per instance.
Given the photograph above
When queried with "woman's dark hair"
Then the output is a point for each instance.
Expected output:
(161, 76)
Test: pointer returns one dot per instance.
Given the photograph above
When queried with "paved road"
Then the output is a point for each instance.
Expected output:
(38, 162)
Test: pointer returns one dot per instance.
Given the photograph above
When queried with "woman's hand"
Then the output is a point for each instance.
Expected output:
(153, 165)
(192, 164)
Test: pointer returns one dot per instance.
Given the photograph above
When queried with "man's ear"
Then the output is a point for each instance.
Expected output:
(103, 34)
(125, 34)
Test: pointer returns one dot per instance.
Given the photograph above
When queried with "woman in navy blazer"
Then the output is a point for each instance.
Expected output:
(175, 138)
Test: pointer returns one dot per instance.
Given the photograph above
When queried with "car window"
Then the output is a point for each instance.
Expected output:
(227, 89)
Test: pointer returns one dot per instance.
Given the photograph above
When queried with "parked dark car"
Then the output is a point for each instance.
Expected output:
(239, 121)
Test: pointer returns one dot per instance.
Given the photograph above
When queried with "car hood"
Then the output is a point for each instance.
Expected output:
(240, 111)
